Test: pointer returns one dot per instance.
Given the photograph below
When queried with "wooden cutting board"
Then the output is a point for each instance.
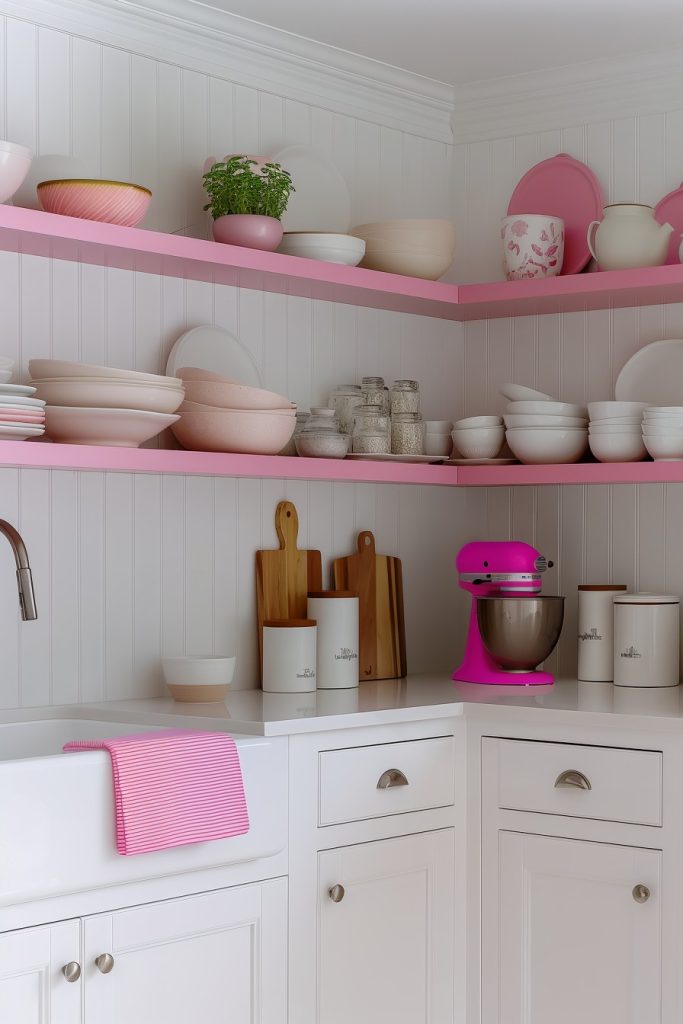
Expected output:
(378, 581)
(285, 576)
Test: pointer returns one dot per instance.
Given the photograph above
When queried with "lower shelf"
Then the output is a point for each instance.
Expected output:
(43, 455)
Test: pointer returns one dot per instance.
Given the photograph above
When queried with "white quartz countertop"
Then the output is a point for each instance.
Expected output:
(416, 698)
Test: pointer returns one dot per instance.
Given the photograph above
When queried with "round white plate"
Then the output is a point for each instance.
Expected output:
(16, 389)
(125, 428)
(19, 402)
(18, 433)
(321, 201)
(520, 393)
(481, 462)
(653, 375)
(215, 349)
(437, 459)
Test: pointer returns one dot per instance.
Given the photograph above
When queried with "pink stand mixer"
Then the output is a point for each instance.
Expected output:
(512, 628)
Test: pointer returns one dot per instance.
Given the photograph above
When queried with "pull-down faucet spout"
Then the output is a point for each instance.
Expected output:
(27, 598)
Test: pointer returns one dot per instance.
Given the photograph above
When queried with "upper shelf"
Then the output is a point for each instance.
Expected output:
(109, 245)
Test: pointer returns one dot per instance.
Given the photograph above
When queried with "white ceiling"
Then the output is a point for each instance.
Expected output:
(460, 41)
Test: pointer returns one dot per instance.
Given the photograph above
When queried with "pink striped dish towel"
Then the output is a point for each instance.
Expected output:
(173, 787)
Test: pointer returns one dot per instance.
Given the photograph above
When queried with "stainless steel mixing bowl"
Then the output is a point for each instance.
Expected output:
(520, 632)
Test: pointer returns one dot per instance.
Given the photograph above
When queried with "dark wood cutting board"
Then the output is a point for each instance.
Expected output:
(285, 576)
(378, 581)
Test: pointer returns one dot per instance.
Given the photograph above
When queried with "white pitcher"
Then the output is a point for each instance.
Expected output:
(628, 237)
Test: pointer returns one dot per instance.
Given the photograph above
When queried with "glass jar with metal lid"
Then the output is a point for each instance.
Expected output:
(405, 397)
(371, 431)
(407, 434)
(375, 392)
(345, 399)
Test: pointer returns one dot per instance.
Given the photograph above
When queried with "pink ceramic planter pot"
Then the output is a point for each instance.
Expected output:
(249, 230)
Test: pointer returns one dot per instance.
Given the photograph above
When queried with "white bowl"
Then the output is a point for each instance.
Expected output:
(665, 410)
(620, 421)
(244, 431)
(478, 421)
(439, 426)
(109, 394)
(617, 447)
(547, 409)
(120, 428)
(5, 376)
(439, 445)
(520, 393)
(536, 447)
(49, 369)
(665, 448)
(662, 431)
(15, 161)
(669, 417)
(618, 428)
(198, 680)
(544, 421)
(479, 442)
(227, 395)
(330, 248)
(603, 410)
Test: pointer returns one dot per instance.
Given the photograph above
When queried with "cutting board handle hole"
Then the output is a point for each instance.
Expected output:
(367, 541)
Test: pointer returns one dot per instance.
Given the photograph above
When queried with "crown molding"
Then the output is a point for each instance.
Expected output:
(573, 95)
(200, 37)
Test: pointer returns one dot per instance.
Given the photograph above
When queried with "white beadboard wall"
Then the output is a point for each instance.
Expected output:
(128, 568)
(624, 534)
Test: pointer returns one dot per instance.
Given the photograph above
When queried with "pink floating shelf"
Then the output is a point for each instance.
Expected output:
(578, 473)
(84, 241)
(44, 455)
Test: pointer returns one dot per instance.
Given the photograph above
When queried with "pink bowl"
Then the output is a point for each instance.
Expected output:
(233, 396)
(244, 431)
(114, 202)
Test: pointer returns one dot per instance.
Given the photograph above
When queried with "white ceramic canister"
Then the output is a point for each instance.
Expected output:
(646, 640)
(289, 655)
(336, 612)
(596, 631)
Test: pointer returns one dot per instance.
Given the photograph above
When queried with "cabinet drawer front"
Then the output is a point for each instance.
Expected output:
(388, 778)
(607, 783)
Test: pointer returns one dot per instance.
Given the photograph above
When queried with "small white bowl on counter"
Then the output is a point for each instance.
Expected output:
(198, 680)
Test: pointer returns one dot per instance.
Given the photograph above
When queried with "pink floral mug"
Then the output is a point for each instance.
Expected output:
(533, 245)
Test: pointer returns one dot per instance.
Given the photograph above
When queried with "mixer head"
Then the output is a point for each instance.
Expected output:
(487, 568)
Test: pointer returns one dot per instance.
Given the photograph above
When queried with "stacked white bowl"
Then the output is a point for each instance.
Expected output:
(438, 440)
(540, 430)
(663, 432)
(479, 437)
(222, 415)
(615, 431)
(88, 404)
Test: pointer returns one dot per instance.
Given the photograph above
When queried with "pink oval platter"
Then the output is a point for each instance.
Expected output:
(670, 210)
(562, 187)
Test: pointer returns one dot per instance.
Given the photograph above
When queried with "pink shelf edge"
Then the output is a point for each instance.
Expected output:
(575, 473)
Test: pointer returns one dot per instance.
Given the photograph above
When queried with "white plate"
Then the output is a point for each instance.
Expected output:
(49, 369)
(18, 433)
(19, 402)
(436, 459)
(520, 393)
(321, 201)
(653, 375)
(215, 349)
(481, 462)
(16, 389)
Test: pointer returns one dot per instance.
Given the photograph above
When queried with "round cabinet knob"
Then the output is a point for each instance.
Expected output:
(337, 893)
(72, 971)
(641, 893)
(104, 963)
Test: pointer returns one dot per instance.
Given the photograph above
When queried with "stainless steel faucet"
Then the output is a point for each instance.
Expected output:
(27, 598)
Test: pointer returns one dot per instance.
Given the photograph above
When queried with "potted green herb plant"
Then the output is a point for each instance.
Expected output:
(247, 198)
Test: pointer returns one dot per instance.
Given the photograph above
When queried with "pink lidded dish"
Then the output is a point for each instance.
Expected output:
(113, 202)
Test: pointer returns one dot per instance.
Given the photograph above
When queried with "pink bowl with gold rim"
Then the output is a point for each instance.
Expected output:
(114, 202)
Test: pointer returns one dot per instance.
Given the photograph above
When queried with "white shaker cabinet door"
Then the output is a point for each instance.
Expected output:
(386, 931)
(575, 935)
(33, 986)
(217, 958)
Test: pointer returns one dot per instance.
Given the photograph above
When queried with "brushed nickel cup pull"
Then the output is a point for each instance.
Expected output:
(572, 779)
(641, 893)
(104, 963)
(336, 893)
(392, 777)
(72, 971)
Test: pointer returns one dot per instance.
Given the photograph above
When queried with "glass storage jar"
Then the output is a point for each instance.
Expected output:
(405, 396)
(322, 419)
(407, 434)
(375, 392)
(371, 431)
(345, 399)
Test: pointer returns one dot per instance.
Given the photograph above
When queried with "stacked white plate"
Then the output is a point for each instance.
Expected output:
(615, 431)
(21, 415)
(88, 404)
(540, 430)
(663, 433)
